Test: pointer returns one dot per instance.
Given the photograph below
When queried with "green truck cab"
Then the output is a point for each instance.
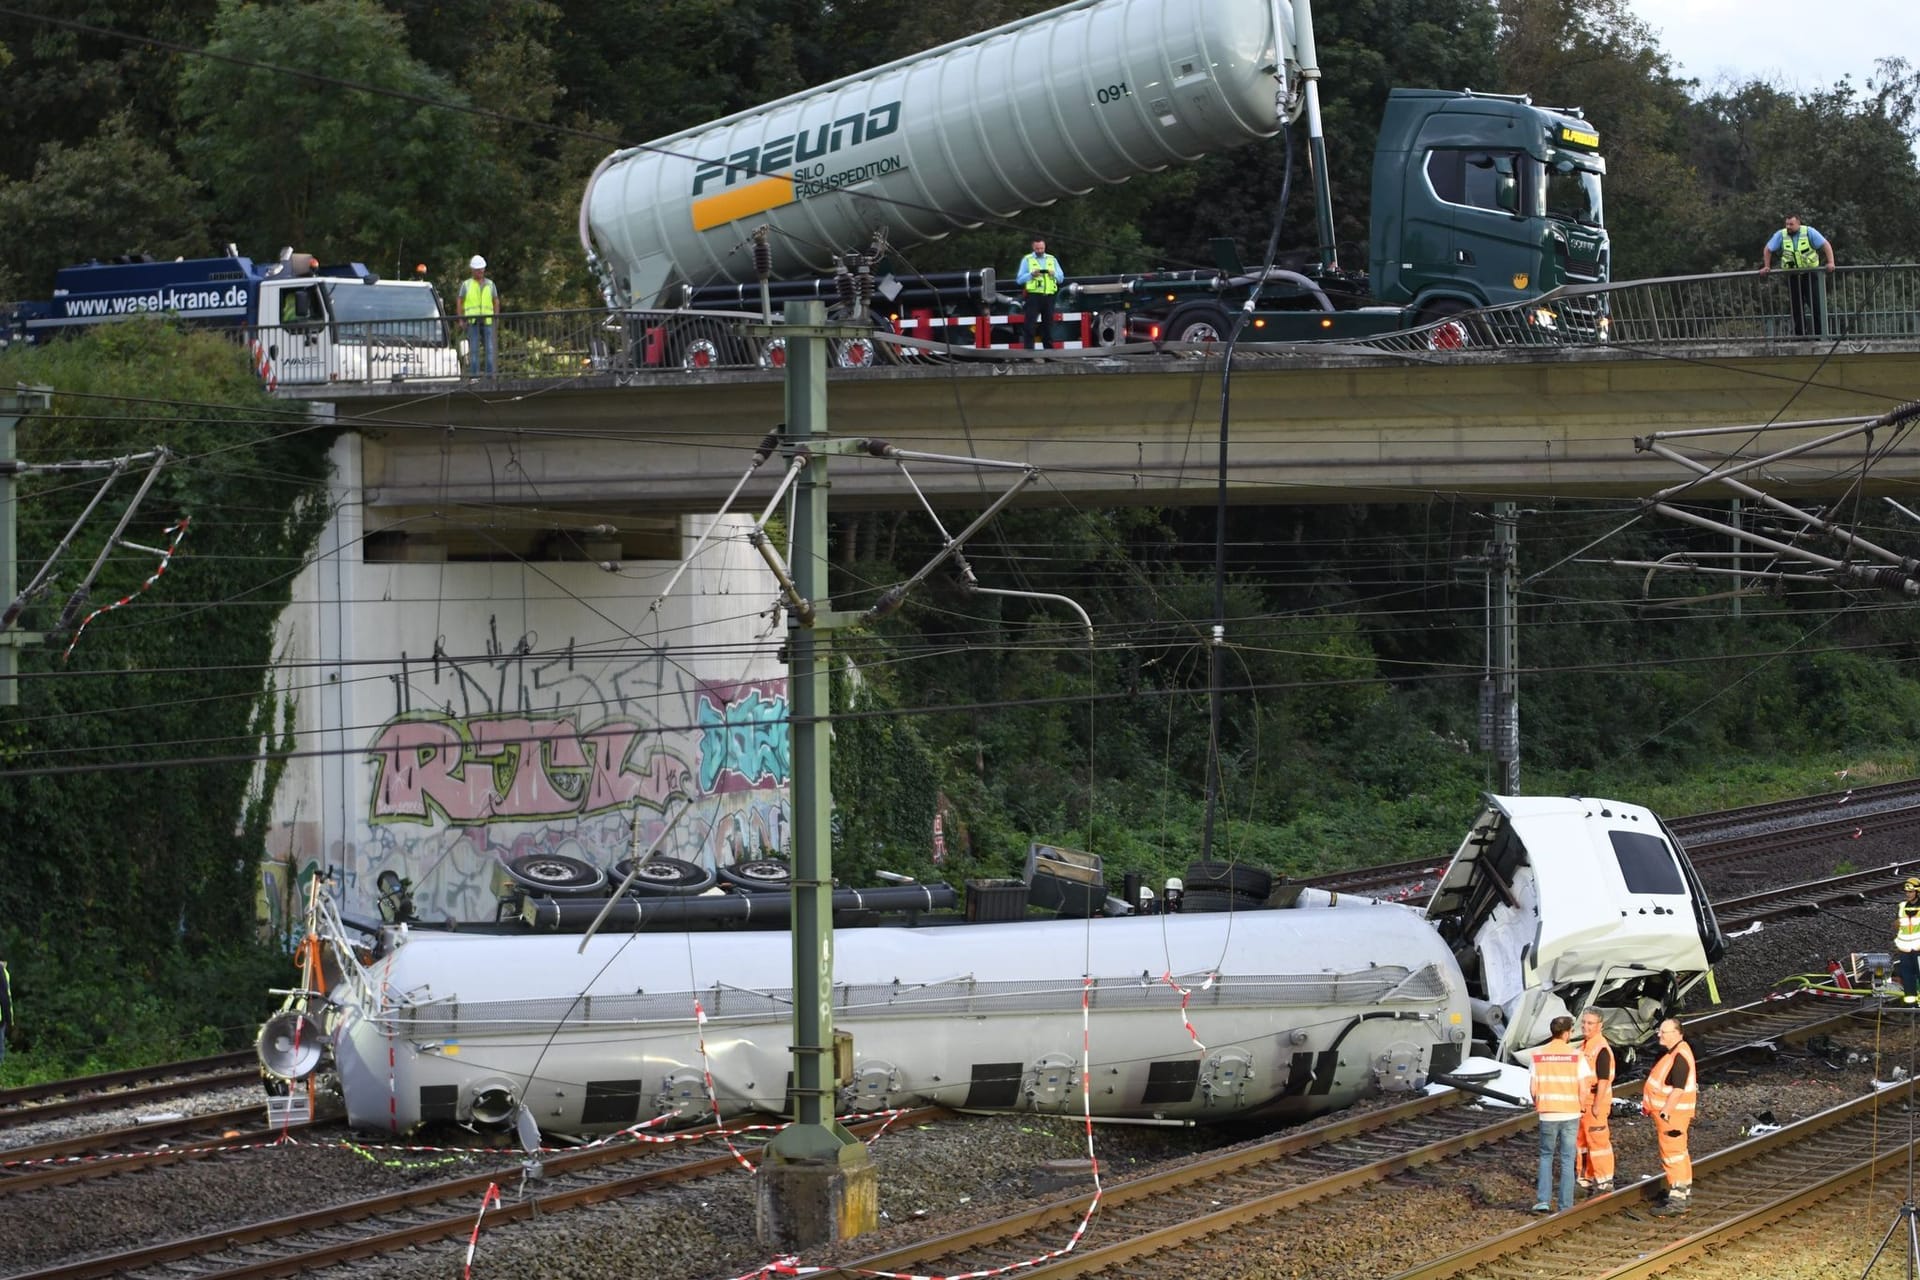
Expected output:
(1479, 200)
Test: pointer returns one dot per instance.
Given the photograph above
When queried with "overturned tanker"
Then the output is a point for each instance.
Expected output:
(1295, 1006)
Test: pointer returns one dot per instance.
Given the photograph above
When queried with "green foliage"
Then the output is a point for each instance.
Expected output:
(84, 1002)
(108, 195)
(154, 854)
(349, 173)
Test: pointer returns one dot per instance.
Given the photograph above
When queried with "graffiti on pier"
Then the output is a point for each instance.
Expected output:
(517, 768)
(744, 741)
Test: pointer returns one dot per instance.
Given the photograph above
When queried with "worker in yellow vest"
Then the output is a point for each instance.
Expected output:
(1040, 277)
(1800, 248)
(1670, 1096)
(479, 303)
(1561, 1083)
(1906, 942)
(1596, 1133)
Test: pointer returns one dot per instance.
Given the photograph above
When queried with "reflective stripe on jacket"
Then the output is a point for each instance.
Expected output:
(1906, 928)
(1043, 273)
(1600, 1089)
(477, 298)
(1561, 1078)
(1676, 1103)
(1797, 251)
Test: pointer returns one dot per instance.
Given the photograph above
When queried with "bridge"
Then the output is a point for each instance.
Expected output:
(1494, 404)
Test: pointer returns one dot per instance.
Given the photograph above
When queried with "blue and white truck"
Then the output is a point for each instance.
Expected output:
(303, 322)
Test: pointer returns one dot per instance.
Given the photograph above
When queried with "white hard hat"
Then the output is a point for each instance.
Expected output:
(479, 263)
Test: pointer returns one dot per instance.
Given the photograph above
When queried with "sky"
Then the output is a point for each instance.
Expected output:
(1801, 44)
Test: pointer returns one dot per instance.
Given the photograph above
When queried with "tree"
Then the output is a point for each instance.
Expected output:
(114, 193)
(393, 176)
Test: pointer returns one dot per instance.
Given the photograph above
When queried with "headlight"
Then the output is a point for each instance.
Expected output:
(1543, 318)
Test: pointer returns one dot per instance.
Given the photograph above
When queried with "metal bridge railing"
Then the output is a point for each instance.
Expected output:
(1851, 304)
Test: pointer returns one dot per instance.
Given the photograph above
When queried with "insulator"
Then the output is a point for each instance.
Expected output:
(762, 255)
(844, 286)
(863, 284)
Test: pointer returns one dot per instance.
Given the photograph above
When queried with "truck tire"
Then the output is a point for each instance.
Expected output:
(1230, 877)
(662, 876)
(1451, 334)
(1197, 322)
(700, 343)
(555, 875)
(760, 875)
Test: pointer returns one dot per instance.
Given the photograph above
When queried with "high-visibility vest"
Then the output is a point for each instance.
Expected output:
(1906, 932)
(1561, 1077)
(1601, 1091)
(1678, 1104)
(1797, 251)
(477, 299)
(1043, 273)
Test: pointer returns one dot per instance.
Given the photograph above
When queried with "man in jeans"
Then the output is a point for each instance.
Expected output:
(1561, 1083)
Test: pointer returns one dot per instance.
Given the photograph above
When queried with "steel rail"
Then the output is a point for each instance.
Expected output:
(1611, 1231)
(467, 1188)
(80, 1104)
(106, 1080)
(116, 1151)
(1716, 1037)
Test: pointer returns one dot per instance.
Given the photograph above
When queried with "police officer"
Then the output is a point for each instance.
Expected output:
(1670, 1096)
(1040, 275)
(1906, 941)
(479, 302)
(1799, 248)
(1596, 1137)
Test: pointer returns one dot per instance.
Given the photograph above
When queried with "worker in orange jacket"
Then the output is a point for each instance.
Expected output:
(1596, 1138)
(1559, 1082)
(1670, 1096)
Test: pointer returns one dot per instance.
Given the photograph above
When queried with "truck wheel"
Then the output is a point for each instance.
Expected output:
(698, 343)
(760, 875)
(1231, 877)
(1199, 323)
(555, 874)
(660, 876)
(1450, 334)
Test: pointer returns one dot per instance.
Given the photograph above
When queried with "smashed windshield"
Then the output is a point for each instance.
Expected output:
(1574, 196)
(393, 314)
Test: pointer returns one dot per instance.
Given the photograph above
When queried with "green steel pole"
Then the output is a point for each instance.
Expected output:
(14, 405)
(815, 1133)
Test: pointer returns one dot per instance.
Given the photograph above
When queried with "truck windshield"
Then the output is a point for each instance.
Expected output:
(363, 312)
(1574, 196)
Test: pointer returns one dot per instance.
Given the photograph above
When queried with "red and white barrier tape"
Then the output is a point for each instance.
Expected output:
(492, 1197)
(179, 530)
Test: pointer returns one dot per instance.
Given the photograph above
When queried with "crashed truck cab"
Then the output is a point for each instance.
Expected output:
(1553, 904)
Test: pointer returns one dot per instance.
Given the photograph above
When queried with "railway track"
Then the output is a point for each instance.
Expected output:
(131, 1088)
(1414, 882)
(1705, 824)
(1807, 897)
(1736, 1192)
(419, 1215)
(1144, 1224)
(138, 1146)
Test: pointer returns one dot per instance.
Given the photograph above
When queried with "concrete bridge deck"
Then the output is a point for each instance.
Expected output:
(1308, 425)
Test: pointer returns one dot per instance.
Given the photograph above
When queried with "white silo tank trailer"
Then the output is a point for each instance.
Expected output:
(1083, 95)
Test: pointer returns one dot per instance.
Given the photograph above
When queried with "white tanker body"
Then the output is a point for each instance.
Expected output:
(1298, 1006)
(1293, 1012)
(1086, 94)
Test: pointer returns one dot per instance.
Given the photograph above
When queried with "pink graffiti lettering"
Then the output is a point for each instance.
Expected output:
(513, 769)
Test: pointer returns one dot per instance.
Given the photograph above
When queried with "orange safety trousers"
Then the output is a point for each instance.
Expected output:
(1595, 1147)
(1674, 1159)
